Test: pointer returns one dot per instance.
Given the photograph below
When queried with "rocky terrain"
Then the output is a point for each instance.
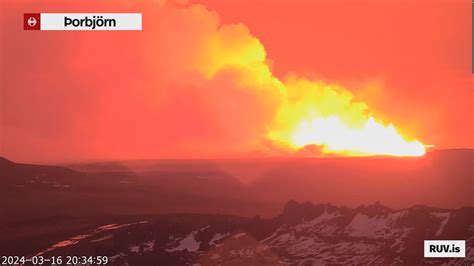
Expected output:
(303, 234)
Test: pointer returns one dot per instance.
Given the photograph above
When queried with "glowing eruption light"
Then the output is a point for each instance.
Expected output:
(319, 114)
(372, 138)
(304, 111)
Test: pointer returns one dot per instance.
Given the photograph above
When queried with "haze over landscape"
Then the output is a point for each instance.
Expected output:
(245, 87)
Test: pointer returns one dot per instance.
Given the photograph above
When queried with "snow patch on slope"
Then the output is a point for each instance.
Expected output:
(373, 227)
(189, 242)
(217, 237)
(445, 218)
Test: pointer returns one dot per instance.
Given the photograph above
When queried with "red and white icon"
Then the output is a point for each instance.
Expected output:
(31, 21)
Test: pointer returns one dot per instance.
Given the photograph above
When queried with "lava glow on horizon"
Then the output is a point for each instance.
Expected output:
(327, 116)
(337, 138)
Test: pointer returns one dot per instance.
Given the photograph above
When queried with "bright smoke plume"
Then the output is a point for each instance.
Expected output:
(306, 112)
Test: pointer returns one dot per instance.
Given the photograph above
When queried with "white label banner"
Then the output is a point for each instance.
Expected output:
(445, 248)
(91, 21)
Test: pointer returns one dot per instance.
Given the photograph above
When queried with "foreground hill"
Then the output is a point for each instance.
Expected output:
(303, 234)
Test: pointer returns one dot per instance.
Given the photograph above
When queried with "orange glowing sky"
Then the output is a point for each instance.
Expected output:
(237, 78)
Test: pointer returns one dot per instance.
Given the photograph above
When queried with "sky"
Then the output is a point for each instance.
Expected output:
(233, 78)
